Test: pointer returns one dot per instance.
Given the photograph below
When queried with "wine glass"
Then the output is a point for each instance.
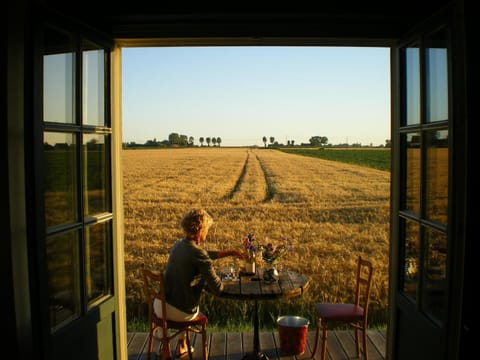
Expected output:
(227, 273)
(234, 270)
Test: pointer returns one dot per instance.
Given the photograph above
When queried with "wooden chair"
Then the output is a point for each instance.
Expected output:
(330, 315)
(154, 289)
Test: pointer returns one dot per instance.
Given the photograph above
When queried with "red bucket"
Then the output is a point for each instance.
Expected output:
(293, 331)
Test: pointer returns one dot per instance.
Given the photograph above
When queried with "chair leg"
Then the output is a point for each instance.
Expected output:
(324, 342)
(150, 345)
(166, 353)
(187, 341)
(204, 343)
(357, 341)
(365, 350)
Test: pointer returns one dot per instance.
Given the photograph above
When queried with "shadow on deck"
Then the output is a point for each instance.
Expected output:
(234, 345)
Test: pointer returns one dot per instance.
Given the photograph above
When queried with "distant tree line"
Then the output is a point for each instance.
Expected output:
(215, 141)
(317, 141)
(176, 140)
(314, 141)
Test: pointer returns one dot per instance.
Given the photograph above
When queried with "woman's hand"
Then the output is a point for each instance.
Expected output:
(239, 254)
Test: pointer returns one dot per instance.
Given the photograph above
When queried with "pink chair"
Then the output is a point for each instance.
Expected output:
(330, 315)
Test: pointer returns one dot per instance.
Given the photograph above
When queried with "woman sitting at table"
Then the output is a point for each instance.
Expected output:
(189, 270)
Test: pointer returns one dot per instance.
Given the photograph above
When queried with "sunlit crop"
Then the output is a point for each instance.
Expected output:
(330, 211)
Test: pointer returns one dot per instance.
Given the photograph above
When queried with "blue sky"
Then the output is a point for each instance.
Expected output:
(241, 94)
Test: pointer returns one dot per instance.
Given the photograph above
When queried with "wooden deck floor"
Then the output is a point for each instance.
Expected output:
(233, 346)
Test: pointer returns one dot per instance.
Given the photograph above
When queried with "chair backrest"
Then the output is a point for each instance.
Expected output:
(153, 287)
(363, 284)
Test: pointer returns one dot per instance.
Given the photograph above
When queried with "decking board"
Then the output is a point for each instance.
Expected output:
(234, 346)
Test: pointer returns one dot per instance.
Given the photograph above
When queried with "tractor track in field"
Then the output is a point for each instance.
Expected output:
(253, 183)
(268, 181)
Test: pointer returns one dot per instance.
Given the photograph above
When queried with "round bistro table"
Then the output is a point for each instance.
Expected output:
(254, 288)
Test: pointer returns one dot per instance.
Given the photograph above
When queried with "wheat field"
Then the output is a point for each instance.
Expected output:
(331, 212)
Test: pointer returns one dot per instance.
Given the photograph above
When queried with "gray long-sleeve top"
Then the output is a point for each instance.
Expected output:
(189, 269)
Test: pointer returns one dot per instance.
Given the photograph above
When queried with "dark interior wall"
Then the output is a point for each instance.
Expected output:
(349, 25)
(347, 22)
(15, 64)
(5, 255)
(472, 74)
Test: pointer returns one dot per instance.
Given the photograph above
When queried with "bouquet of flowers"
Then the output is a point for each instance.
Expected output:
(251, 247)
(271, 254)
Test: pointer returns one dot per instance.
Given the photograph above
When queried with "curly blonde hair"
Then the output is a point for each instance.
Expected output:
(194, 220)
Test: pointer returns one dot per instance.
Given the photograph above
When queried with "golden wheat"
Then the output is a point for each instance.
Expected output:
(332, 212)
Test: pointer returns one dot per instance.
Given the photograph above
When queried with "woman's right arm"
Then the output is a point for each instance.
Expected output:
(207, 270)
(224, 253)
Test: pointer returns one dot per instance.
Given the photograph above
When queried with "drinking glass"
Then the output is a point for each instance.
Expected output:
(227, 273)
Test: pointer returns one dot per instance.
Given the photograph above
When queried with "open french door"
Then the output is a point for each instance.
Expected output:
(78, 246)
(425, 147)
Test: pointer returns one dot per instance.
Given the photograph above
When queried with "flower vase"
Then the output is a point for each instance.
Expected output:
(250, 267)
(270, 274)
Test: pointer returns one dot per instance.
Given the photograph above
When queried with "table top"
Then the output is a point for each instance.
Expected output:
(252, 287)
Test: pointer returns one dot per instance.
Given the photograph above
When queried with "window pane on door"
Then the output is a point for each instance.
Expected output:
(412, 172)
(58, 78)
(63, 278)
(411, 260)
(60, 178)
(93, 86)
(436, 83)
(98, 260)
(437, 175)
(96, 174)
(436, 269)
(412, 86)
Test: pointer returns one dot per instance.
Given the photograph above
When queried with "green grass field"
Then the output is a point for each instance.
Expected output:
(374, 158)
